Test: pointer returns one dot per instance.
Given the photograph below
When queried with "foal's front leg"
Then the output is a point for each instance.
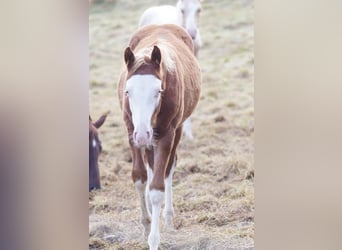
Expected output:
(139, 177)
(157, 187)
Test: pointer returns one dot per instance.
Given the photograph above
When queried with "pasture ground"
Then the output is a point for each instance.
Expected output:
(213, 192)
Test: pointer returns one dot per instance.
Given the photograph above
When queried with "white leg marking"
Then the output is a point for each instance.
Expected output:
(168, 210)
(145, 214)
(147, 190)
(187, 129)
(156, 197)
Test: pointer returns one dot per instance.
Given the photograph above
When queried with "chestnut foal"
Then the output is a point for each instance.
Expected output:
(158, 90)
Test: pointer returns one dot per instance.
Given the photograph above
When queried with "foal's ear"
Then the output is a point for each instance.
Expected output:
(101, 120)
(129, 57)
(156, 56)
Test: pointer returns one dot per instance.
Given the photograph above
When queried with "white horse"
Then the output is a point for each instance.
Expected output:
(185, 14)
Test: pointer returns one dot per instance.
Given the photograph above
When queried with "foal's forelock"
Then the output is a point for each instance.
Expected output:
(142, 57)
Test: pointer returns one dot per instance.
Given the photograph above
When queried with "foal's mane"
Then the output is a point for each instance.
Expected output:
(143, 56)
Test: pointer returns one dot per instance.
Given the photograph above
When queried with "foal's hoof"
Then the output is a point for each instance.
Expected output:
(147, 231)
(168, 218)
(169, 223)
(147, 226)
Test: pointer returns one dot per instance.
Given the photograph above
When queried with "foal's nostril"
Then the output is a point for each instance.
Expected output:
(148, 134)
(135, 136)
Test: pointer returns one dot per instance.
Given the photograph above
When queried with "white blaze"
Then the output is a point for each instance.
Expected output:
(143, 92)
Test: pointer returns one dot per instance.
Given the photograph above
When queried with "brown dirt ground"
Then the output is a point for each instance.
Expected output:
(213, 182)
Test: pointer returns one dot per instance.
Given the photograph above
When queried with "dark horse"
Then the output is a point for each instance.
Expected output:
(95, 149)
(158, 90)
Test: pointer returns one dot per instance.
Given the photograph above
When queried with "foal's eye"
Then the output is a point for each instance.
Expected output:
(158, 93)
(199, 11)
(182, 10)
(126, 93)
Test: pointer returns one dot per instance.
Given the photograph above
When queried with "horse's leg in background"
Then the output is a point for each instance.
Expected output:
(139, 177)
(197, 43)
(187, 123)
(157, 187)
(187, 128)
(168, 209)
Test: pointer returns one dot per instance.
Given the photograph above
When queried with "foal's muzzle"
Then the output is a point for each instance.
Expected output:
(142, 137)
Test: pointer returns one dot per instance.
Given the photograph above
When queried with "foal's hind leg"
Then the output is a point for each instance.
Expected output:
(168, 209)
(139, 177)
(149, 168)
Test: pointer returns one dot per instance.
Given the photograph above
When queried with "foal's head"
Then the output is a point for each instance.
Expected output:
(143, 92)
(190, 11)
(95, 149)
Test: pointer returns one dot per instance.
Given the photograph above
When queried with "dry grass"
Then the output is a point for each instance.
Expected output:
(213, 182)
